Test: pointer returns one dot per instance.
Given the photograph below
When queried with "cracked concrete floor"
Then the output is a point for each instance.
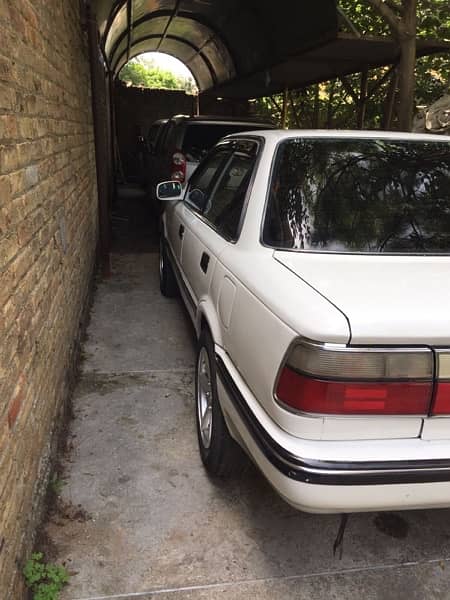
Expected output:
(152, 525)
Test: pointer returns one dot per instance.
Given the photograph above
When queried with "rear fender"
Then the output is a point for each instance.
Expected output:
(207, 316)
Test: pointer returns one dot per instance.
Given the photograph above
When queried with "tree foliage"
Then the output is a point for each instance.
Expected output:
(144, 73)
(332, 105)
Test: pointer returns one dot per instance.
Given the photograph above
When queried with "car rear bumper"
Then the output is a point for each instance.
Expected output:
(329, 485)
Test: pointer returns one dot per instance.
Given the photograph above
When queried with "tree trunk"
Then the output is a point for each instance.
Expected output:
(316, 113)
(330, 104)
(407, 65)
(285, 110)
(362, 103)
(388, 111)
(402, 20)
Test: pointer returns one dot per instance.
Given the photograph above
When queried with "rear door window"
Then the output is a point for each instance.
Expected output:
(203, 180)
(225, 207)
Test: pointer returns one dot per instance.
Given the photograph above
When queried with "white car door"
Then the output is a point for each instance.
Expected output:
(174, 229)
(214, 223)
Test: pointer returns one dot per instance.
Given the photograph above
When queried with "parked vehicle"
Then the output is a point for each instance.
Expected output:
(315, 267)
(154, 132)
(183, 142)
(151, 140)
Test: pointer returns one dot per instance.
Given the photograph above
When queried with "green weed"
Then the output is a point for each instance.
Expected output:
(45, 580)
(56, 485)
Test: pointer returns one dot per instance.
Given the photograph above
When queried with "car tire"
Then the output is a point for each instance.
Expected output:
(167, 281)
(220, 454)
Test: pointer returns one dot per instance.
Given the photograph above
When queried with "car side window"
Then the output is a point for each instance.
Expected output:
(224, 209)
(203, 179)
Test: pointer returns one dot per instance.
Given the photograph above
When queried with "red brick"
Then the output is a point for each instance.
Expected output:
(46, 171)
(16, 403)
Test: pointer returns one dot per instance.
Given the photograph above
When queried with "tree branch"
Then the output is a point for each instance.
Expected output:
(394, 6)
(388, 14)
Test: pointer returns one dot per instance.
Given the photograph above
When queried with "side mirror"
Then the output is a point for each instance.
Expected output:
(169, 190)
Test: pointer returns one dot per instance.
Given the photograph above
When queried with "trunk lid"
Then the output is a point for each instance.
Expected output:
(387, 299)
(398, 300)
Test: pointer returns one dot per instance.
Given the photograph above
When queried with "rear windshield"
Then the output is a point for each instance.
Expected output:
(360, 195)
(201, 137)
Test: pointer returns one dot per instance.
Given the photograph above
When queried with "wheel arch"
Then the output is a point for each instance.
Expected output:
(207, 318)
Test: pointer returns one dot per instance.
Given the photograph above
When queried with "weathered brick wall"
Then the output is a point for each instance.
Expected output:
(48, 232)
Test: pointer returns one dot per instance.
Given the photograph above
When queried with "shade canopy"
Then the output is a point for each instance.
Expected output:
(244, 48)
(218, 40)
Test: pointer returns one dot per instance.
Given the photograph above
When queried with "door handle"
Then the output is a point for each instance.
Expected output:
(204, 262)
(181, 232)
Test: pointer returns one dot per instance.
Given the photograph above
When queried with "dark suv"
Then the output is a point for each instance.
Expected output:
(183, 141)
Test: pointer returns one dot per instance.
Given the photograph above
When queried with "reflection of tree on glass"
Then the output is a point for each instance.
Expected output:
(360, 195)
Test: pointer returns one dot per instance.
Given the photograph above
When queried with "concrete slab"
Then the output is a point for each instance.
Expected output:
(133, 327)
(414, 582)
(149, 523)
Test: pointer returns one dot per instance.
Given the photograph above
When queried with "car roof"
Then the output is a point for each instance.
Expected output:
(221, 119)
(276, 135)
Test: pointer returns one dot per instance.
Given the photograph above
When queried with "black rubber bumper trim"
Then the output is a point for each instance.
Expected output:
(330, 472)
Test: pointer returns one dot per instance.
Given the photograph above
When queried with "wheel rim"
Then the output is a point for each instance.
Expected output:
(204, 398)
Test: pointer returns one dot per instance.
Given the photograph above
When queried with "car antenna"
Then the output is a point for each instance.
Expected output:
(339, 541)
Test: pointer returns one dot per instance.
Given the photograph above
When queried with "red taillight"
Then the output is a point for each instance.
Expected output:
(441, 405)
(327, 379)
(310, 395)
(178, 167)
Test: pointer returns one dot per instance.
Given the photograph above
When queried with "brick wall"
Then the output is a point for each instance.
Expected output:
(48, 233)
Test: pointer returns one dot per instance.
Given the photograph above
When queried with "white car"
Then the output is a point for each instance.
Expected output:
(315, 266)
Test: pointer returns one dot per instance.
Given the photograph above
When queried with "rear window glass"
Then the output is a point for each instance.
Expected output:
(360, 195)
(201, 137)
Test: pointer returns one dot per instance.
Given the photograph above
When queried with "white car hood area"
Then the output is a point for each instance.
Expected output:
(387, 299)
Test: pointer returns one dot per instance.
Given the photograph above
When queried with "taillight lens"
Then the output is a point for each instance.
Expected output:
(178, 167)
(441, 403)
(328, 379)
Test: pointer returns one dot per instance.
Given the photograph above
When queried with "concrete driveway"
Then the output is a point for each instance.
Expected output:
(138, 518)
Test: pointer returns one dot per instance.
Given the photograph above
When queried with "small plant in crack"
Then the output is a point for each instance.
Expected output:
(45, 580)
(56, 485)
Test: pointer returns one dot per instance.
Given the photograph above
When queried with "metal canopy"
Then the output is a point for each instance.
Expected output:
(218, 40)
(341, 56)
(244, 48)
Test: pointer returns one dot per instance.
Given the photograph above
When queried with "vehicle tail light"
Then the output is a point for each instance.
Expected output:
(331, 379)
(441, 403)
(178, 167)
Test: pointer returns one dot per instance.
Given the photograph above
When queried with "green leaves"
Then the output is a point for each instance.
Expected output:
(148, 76)
(45, 580)
(334, 107)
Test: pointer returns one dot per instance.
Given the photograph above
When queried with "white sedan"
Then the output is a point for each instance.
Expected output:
(316, 269)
